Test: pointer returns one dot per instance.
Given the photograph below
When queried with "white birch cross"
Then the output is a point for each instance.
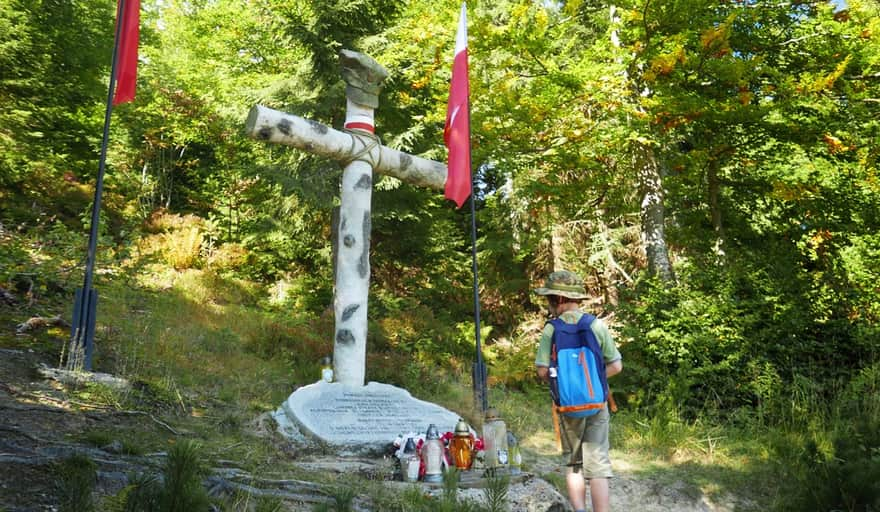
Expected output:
(361, 154)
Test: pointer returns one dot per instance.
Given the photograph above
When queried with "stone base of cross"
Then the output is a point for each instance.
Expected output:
(360, 420)
(358, 149)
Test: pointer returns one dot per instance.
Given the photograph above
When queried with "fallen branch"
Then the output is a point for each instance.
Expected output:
(9, 389)
(81, 377)
(24, 408)
(37, 322)
(124, 412)
(156, 420)
(238, 474)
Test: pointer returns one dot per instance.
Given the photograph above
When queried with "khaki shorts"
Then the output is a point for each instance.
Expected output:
(585, 444)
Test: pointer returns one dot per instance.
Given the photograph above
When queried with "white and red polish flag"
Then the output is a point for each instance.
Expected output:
(457, 134)
(128, 14)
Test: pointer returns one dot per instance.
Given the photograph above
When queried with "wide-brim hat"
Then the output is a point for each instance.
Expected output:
(565, 284)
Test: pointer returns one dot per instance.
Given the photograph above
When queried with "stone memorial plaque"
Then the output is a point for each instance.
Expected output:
(359, 418)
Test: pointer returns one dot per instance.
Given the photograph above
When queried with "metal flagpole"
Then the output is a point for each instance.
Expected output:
(480, 372)
(82, 334)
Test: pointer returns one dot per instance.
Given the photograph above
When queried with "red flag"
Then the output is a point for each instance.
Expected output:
(457, 134)
(127, 50)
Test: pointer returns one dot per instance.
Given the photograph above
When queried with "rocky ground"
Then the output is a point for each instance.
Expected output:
(41, 424)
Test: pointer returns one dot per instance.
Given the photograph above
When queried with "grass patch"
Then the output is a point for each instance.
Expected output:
(76, 481)
(180, 488)
(115, 441)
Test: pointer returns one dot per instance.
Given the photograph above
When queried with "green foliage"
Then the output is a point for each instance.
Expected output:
(245, 501)
(513, 366)
(742, 337)
(449, 498)
(143, 495)
(182, 479)
(495, 492)
(54, 55)
(101, 394)
(103, 438)
(180, 487)
(415, 499)
(76, 482)
(343, 498)
(835, 462)
(761, 117)
(183, 247)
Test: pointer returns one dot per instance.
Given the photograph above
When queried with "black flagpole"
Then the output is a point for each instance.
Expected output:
(82, 334)
(480, 372)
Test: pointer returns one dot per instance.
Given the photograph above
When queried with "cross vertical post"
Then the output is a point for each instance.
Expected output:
(363, 77)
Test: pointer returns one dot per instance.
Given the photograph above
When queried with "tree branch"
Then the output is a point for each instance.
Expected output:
(802, 38)
(872, 76)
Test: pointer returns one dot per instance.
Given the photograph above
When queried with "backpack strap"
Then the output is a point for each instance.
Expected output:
(597, 350)
(586, 321)
(552, 341)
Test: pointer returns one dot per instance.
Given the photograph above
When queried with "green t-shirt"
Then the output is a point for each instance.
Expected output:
(606, 342)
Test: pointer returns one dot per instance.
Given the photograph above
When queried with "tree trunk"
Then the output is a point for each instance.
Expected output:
(352, 268)
(557, 239)
(653, 214)
(714, 187)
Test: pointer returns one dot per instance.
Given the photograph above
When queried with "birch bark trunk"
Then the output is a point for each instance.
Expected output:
(653, 213)
(650, 183)
(714, 190)
(353, 262)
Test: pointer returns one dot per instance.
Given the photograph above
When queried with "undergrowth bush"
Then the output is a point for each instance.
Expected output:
(305, 293)
(415, 499)
(76, 481)
(514, 366)
(178, 238)
(182, 248)
(226, 257)
(834, 462)
(178, 490)
(724, 339)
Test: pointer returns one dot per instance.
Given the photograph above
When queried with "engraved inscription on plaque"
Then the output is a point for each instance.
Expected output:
(366, 412)
(373, 413)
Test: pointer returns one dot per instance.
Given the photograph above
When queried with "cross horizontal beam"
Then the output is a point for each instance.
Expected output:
(270, 125)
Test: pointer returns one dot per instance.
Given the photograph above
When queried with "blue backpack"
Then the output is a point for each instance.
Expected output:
(580, 387)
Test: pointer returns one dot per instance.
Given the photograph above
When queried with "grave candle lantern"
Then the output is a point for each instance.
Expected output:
(410, 461)
(326, 370)
(495, 439)
(462, 446)
(432, 455)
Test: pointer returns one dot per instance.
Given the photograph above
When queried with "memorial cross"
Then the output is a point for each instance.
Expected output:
(361, 153)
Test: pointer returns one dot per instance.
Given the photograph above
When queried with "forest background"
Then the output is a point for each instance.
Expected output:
(709, 167)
